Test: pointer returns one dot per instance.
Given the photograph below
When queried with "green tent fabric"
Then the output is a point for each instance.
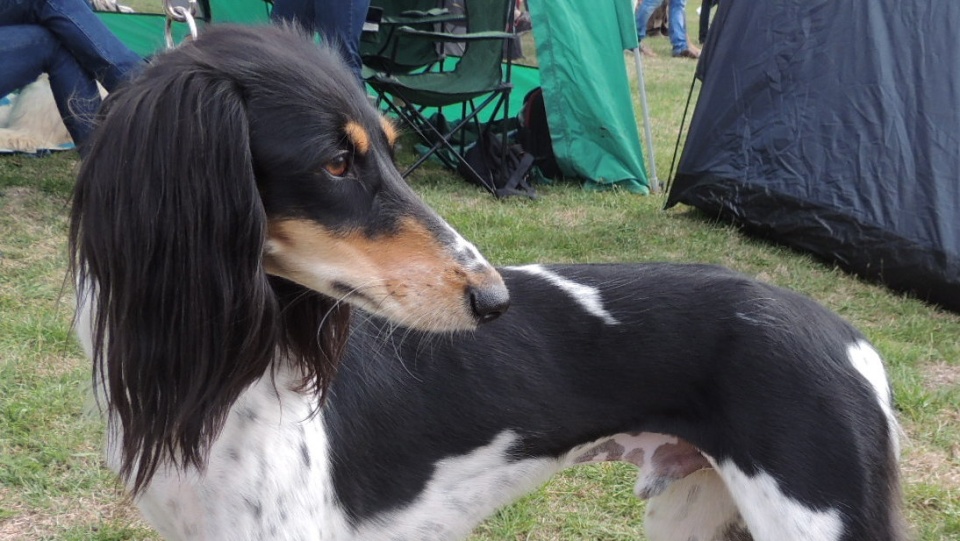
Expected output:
(586, 90)
(144, 32)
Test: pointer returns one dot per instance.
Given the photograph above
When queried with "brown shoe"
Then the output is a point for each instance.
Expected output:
(647, 51)
(687, 53)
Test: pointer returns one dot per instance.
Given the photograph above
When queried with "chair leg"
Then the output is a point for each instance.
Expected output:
(430, 135)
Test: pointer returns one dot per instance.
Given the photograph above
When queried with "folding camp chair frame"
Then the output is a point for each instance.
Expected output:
(397, 100)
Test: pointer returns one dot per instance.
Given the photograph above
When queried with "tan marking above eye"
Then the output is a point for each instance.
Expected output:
(358, 136)
(389, 129)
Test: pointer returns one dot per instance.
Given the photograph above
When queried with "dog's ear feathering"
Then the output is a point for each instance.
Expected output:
(167, 232)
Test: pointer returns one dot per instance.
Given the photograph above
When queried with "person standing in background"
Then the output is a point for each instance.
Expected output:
(339, 22)
(677, 26)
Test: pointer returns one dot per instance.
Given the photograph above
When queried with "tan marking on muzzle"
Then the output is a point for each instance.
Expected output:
(358, 136)
(390, 130)
(408, 276)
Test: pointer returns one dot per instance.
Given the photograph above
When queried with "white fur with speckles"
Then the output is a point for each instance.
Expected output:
(588, 296)
(257, 484)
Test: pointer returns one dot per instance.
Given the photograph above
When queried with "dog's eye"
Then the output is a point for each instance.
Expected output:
(338, 166)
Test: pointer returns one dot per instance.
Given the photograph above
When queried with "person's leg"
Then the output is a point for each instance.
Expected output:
(678, 26)
(29, 50)
(82, 33)
(341, 22)
(644, 10)
(15, 12)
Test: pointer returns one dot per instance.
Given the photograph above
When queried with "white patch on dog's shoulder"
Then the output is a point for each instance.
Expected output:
(867, 361)
(588, 296)
(771, 514)
(463, 491)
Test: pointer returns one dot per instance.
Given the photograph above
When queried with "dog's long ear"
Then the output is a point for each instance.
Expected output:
(168, 228)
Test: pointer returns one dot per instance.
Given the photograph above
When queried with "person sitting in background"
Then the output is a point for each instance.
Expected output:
(66, 40)
(677, 27)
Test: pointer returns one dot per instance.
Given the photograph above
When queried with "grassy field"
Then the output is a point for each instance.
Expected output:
(52, 484)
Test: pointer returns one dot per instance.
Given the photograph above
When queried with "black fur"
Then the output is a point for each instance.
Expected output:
(172, 181)
(195, 160)
(778, 395)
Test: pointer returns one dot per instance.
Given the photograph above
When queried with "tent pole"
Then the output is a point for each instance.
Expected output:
(642, 90)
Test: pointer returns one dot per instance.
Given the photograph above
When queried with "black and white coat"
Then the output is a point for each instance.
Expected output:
(241, 193)
(745, 407)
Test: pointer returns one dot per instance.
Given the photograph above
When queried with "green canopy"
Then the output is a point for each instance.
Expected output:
(586, 90)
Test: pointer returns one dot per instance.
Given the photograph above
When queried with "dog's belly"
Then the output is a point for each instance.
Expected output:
(661, 459)
(462, 491)
(466, 489)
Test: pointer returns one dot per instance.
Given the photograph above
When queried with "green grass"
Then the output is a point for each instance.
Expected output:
(53, 485)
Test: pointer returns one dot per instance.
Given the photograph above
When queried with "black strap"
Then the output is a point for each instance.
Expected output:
(519, 183)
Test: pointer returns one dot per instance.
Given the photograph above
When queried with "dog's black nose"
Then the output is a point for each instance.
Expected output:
(489, 302)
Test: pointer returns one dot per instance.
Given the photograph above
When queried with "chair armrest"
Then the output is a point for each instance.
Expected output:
(428, 13)
(433, 16)
(445, 37)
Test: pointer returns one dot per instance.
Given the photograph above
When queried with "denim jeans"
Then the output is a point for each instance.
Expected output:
(677, 22)
(337, 21)
(65, 39)
(28, 50)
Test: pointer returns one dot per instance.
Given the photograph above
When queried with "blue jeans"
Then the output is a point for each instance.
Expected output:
(337, 21)
(29, 50)
(65, 39)
(677, 22)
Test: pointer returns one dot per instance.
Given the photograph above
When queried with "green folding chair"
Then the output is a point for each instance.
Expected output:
(387, 51)
(480, 81)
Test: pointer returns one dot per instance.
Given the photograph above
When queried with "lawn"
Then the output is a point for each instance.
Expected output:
(53, 485)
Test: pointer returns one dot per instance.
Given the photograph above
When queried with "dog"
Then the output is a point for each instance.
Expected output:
(289, 344)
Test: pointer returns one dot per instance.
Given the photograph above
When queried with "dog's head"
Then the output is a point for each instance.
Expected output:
(236, 195)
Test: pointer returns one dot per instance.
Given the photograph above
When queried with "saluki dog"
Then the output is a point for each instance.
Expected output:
(289, 344)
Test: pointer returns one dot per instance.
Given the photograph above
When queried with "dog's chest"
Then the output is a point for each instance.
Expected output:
(268, 477)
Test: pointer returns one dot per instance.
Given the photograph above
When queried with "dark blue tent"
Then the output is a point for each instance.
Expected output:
(834, 126)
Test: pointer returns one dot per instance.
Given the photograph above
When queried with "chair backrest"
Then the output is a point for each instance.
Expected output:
(484, 58)
(386, 52)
